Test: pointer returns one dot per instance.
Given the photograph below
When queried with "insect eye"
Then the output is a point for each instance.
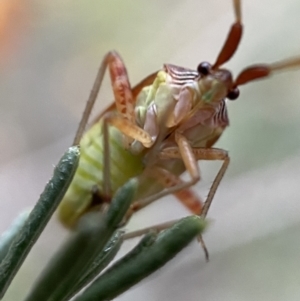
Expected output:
(204, 68)
(233, 94)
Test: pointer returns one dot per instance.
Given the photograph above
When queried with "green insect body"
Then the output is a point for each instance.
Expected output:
(174, 117)
(162, 95)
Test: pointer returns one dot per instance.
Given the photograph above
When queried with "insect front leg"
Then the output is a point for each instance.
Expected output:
(126, 128)
(176, 184)
(171, 182)
(203, 154)
(130, 129)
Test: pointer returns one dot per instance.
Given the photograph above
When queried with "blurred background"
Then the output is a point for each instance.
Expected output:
(49, 55)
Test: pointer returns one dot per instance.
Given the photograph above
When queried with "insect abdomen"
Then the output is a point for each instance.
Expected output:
(89, 174)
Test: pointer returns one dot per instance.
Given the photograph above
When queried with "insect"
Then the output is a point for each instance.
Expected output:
(159, 129)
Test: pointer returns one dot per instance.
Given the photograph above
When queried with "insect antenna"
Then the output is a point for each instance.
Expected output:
(233, 39)
(264, 70)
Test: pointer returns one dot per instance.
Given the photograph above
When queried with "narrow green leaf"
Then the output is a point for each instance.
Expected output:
(39, 217)
(99, 264)
(143, 260)
(74, 261)
(9, 235)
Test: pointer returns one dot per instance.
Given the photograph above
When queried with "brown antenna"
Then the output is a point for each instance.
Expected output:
(233, 39)
(263, 70)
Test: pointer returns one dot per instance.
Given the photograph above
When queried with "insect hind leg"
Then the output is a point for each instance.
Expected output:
(121, 89)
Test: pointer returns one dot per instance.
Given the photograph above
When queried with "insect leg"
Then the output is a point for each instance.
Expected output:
(159, 228)
(121, 89)
(206, 154)
(185, 152)
(174, 185)
(168, 180)
(125, 110)
(129, 130)
(106, 160)
(203, 154)
(215, 185)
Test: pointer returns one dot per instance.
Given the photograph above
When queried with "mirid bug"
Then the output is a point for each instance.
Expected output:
(159, 129)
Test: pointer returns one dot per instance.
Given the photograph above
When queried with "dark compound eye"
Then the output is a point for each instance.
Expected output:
(233, 94)
(204, 68)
